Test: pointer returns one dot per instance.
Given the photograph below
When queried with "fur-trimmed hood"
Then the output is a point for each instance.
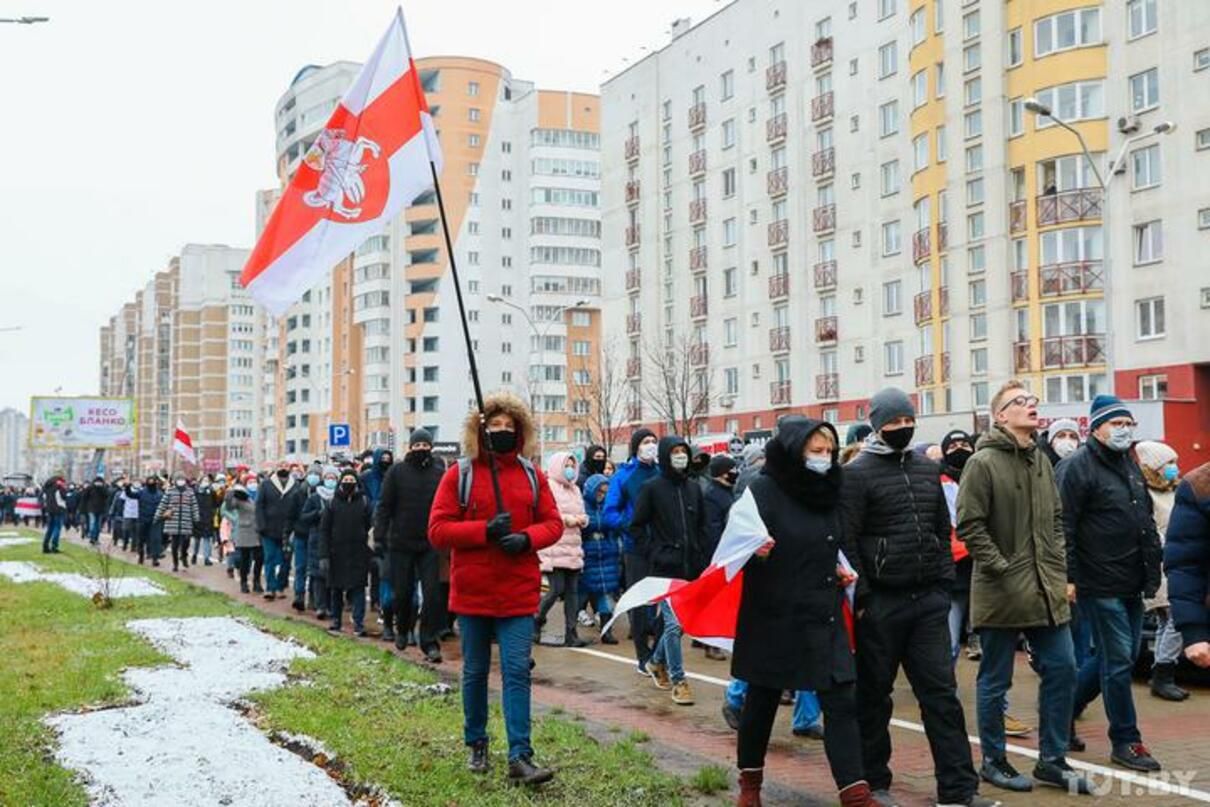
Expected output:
(494, 404)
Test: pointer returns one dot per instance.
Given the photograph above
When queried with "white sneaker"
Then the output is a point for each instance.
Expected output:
(586, 620)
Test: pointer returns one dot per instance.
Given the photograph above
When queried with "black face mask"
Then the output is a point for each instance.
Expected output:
(958, 457)
(418, 456)
(731, 478)
(283, 473)
(502, 442)
(898, 439)
(384, 463)
(347, 488)
(595, 466)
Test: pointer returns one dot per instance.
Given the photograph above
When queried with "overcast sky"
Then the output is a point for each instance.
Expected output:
(128, 129)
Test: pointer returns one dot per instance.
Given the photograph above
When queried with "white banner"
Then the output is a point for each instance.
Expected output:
(81, 422)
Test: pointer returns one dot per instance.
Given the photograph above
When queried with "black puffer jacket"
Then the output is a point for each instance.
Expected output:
(278, 505)
(1113, 549)
(344, 531)
(897, 524)
(205, 508)
(94, 499)
(401, 518)
(670, 517)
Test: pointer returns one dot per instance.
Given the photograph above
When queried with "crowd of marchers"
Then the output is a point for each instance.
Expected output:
(1012, 541)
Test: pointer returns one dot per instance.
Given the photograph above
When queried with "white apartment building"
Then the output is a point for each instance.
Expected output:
(14, 444)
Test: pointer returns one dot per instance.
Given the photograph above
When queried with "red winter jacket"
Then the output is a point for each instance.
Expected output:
(484, 580)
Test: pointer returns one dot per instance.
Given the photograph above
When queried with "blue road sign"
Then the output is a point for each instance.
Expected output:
(338, 435)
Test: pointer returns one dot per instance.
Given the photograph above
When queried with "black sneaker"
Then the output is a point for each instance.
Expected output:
(478, 762)
(297, 606)
(432, 655)
(401, 640)
(1057, 773)
(730, 716)
(811, 732)
(1074, 743)
(523, 770)
(1003, 775)
(1134, 756)
(360, 631)
(388, 633)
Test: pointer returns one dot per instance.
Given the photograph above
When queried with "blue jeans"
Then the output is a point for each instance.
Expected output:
(151, 539)
(959, 608)
(92, 527)
(357, 598)
(1081, 634)
(668, 648)
(54, 526)
(1057, 671)
(275, 564)
(806, 704)
(514, 635)
(300, 568)
(1117, 631)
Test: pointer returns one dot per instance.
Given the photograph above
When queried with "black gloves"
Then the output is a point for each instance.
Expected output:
(499, 526)
(515, 543)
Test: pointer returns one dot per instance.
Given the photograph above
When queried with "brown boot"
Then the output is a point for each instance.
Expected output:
(857, 795)
(749, 787)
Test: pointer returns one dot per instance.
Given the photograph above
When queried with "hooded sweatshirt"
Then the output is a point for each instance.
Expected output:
(568, 552)
(670, 516)
(624, 489)
(588, 467)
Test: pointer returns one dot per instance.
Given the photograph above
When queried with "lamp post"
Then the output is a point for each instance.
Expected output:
(541, 333)
(1116, 166)
(24, 20)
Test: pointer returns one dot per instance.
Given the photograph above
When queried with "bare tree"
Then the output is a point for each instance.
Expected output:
(678, 383)
(605, 392)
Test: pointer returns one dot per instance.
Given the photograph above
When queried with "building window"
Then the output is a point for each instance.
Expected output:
(892, 298)
(890, 238)
(1201, 59)
(726, 85)
(886, 8)
(978, 293)
(1016, 50)
(729, 232)
(939, 81)
(730, 332)
(920, 152)
(1149, 315)
(888, 60)
(892, 358)
(976, 260)
(974, 191)
(1148, 242)
(888, 119)
(1202, 139)
(889, 173)
(942, 148)
(979, 361)
(970, 25)
(1079, 100)
(919, 31)
(971, 57)
(731, 381)
(1153, 387)
(1203, 218)
(1070, 29)
(979, 394)
(972, 91)
(1016, 117)
(938, 16)
(975, 226)
(1145, 90)
(729, 133)
(978, 327)
(920, 89)
(1146, 162)
(472, 115)
(1140, 17)
(730, 282)
(972, 123)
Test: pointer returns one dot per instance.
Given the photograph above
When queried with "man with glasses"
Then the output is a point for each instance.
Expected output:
(1113, 561)
(1011, 520)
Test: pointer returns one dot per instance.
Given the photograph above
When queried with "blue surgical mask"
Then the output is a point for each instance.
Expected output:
(312, 479)
(1171, 472)
(330, 483)
(820, 465)
(569, 474)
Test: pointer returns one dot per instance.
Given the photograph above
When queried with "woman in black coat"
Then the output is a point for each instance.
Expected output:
(344, 551)
(791, 632)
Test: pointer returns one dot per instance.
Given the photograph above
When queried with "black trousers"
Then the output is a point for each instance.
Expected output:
(642, 619)
(180, 549)
(563, 583)
(254, 557)
(841, 735)
(406, 570)
(910, 628)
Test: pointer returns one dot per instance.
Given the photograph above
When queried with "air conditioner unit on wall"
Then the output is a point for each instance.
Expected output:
(1129, 124)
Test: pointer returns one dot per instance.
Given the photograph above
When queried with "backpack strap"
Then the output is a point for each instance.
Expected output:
(466, 476)
(532, 474)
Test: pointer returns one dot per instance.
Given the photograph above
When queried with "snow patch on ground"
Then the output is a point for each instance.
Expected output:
(24, 572)
(183, 743)
(10, 539)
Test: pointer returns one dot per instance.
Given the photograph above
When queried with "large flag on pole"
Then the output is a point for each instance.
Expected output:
(369, 162)
(708, 607)
(182, 444)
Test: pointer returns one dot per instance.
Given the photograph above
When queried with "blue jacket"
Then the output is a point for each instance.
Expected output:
(623, 493)
(149, 502)
(371, 480)
(1187, 557)
(602, 572)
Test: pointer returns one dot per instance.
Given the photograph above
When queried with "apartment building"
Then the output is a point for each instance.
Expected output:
(828, 198)
(14, 445)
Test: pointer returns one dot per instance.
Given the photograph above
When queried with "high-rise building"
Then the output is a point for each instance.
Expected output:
(14, 444)
(825, 198)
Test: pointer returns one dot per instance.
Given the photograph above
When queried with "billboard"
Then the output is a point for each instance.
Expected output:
(81, 422)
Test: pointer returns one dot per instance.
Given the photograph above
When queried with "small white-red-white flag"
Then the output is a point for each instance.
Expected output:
(376, 154)
(182, 444)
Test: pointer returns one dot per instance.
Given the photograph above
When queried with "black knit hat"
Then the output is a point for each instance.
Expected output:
(637, 437)
(957, 435)
(721, 464)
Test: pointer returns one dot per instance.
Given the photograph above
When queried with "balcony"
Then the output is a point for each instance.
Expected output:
(632, 191)
(697, 258)
(821, 52)
(942, 236)
(775, 127)
(699, 355)
(944, 295)
(1021, 357)
(822, 107)
(825, 329)
(778, 181)
(779, 339)
(823, 162)
(1077, 205)
(945, 368)
(779, 233)
(697, 116)
(922, 305)
(697, 306)
(634, 367)
(1073, 277)
(632, 148)
(775, 76)
(634, 411)
(1020, 285)
(827, 386)
(920, 245)
(632, 235)
(1017, 217)
(779, 393)
(823, 218)
(697, 211)
(633, 279)
(779, 285)
(697, 162)
(633, 323)
(924, 371)
(1073, 351)
(825, 275)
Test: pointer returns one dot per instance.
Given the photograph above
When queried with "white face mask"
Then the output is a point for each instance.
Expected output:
(648, 451)
(679, 461)
(1121, 438)
(1065, 447)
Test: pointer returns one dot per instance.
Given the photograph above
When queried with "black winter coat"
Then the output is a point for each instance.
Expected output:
(205, 510)
(670, 517)
(718, 501)
(277, 508)
(1113, 549)
(401, 519)
(344, 541)
(94, 499)
(308, 525)
(897, 523)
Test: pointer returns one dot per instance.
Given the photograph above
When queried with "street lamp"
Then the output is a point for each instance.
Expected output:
(541, 333)
(1116, 166)
(24, 20)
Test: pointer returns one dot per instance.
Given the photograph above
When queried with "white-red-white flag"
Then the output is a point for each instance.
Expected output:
(182, 444)
(708, 607)
(369, 162)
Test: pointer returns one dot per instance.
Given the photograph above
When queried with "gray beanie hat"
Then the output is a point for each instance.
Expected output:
(420, 435)
(888, 404)
(1061, 425)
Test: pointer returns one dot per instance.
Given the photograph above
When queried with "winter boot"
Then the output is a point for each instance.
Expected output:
(1163, 683)
(857, 795)
(750, 780)
(572, 639)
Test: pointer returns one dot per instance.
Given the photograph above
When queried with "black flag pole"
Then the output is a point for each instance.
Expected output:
(470, 348)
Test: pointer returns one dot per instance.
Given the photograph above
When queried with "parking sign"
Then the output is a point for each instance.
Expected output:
(338, 435)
